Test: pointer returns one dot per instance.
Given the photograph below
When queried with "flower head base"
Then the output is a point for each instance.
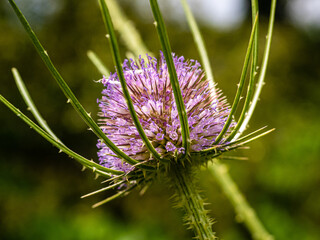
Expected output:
(150, 89)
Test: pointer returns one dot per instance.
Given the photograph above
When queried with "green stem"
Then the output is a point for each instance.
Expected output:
(244, 212)
(262, 73)
(190, 200)
(165, 44)
(31, 106)
(117, 60)
(240, 86)
(253, 73)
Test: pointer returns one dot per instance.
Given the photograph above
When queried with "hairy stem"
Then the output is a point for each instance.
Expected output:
(190, 200)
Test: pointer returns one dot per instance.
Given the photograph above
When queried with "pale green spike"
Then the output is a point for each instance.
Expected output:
(118, 194)
(98, 204)
(250, 139)
(31, 106)
(103, 189)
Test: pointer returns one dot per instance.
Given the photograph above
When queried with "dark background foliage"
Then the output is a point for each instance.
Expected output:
(40, 189)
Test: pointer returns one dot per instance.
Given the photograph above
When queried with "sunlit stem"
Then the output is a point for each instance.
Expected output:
(255, 50)
(263, 71)
(253, 74)
(165, 44)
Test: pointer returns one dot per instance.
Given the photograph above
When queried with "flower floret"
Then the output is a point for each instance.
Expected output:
(152, 96)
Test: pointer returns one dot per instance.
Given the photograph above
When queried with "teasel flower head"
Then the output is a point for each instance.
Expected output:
(152, 96)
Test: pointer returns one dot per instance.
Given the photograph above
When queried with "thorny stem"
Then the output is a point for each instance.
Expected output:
(218, 169)
(264, 66)
(253, 73)
(117, 60)
(165, 44)
(190, 200)
(240, 85)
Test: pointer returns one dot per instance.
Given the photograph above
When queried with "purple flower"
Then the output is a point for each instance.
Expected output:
(150, 89)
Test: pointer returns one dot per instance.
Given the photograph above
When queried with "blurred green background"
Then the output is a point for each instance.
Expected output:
(40, 189)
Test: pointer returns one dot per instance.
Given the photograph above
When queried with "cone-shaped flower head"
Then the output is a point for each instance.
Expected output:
(150, 89)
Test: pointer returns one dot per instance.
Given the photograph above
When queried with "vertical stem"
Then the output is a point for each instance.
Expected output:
(190, 200)
(165, 44)
(117, 61)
